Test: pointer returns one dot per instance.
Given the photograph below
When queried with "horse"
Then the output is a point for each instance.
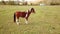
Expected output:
(23, 14)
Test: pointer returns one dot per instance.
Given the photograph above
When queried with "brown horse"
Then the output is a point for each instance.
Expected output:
(23, 15)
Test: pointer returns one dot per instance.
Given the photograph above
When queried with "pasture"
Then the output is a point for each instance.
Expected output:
(46, 20)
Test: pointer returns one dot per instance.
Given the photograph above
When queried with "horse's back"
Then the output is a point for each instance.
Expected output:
(21, 14)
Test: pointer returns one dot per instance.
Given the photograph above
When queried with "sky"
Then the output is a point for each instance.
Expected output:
(4, 0)
(19, 0)
(27, 0)
(0, 0)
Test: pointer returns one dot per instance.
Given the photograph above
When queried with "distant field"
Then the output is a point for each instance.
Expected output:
(46, 20)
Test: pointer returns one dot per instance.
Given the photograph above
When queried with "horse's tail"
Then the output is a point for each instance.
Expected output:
(14, 17)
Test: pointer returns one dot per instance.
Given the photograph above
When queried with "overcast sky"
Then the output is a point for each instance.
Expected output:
(19, 0)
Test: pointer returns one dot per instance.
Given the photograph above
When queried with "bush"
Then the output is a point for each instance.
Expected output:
(52, 2)
(55, 2)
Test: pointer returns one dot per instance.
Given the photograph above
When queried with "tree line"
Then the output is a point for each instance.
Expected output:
(47, 2)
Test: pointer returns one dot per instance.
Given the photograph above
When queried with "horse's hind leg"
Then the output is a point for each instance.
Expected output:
(17, 21)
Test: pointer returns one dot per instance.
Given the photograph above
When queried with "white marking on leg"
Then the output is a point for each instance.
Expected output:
(17, 21)
(26, 21)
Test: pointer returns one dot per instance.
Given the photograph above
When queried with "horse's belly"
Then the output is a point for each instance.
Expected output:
(21, 14)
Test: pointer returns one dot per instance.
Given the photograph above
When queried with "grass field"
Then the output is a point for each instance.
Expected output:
(46, 20)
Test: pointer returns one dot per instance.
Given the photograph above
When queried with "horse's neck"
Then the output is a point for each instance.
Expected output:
(29, 12)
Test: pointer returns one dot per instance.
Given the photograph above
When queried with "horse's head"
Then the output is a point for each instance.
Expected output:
(32, 10)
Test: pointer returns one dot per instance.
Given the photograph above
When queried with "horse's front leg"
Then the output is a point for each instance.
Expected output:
(26, 20)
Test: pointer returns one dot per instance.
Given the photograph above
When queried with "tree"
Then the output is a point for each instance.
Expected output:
(3, 2)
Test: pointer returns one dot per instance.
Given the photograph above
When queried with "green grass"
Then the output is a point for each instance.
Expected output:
(46, 20)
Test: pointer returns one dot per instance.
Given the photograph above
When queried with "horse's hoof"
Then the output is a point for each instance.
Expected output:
(26, 23)
(18, 23)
